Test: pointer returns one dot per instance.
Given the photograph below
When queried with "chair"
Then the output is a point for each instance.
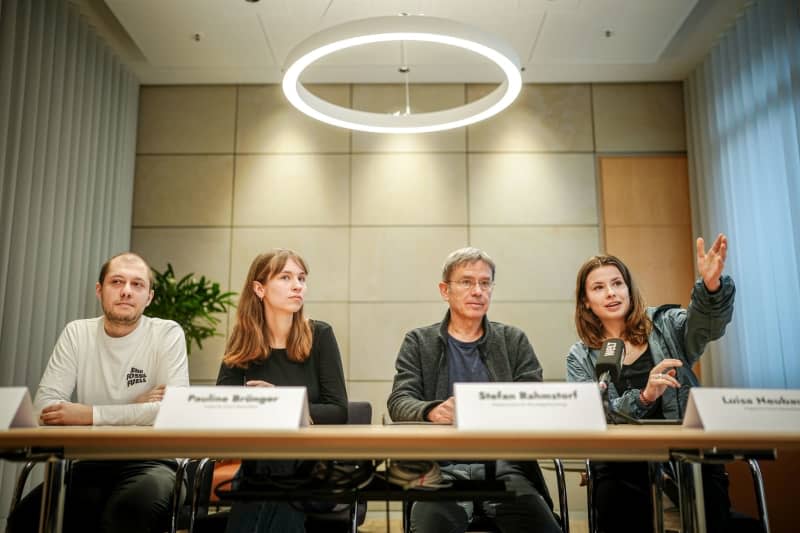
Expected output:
(183, 469)
(19, 488)
(683, 462)
(183, 516)
(659, 479)
(344, 514)
(344, 517)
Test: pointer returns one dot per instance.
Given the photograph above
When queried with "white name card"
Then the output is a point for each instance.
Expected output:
(16, 408)
(270, 408)
(528, 407)
(715, 409)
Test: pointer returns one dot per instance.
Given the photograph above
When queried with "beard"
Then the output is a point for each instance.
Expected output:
(120, 318)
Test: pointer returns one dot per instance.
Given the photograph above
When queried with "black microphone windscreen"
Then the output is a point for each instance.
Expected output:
(610, 359)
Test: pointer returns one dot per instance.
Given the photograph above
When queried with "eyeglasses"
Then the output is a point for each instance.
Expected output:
(467, 284)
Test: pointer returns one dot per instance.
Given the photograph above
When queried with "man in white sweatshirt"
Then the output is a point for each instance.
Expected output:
(118, 366)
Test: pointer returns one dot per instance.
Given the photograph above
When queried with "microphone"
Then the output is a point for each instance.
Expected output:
(607, 369)
(609, 363)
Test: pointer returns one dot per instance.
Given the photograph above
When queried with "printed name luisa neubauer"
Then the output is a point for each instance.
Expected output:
(760, 400)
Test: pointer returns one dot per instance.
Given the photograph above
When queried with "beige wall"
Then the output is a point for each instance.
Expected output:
(225, 172)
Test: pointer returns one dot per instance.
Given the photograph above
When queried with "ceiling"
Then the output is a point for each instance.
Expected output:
(236, 41)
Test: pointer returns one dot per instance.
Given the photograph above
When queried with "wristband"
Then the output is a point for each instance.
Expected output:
(643, 399)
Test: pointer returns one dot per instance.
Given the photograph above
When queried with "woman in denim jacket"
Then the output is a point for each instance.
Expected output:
(661, 345)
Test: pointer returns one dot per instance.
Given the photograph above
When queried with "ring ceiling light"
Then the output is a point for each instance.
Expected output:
(401, 28)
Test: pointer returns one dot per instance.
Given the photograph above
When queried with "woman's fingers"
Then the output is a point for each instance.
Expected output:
(701, 249)
(258, 383)
(667, 365)
(659, 379)
(670, 381)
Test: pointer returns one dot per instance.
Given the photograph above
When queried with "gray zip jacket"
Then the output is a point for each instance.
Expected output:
(677, 334)
(422, 376)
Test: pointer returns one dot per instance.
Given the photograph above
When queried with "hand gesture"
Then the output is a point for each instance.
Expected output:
(444, 412)
(661, 377)
(67, 414)
(156, 394)
(711, 263)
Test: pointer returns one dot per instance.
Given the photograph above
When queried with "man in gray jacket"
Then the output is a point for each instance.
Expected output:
(467, 347)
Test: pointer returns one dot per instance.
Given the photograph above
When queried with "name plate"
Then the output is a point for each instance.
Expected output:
(770, 410)
(270, 408)
(16, 408)
(528, 407)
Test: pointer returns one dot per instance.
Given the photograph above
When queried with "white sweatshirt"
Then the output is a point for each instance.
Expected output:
(110, 372)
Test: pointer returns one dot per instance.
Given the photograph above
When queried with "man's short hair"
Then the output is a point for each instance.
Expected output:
(107, 264)
(465, 256)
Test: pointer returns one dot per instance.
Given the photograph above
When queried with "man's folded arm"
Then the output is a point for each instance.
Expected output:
(129, 414)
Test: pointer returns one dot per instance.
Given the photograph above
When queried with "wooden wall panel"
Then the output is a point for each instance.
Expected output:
(660, 258)
(645, 191)
(647, 223)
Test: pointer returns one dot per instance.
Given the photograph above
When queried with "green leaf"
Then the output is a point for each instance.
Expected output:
(190, 302)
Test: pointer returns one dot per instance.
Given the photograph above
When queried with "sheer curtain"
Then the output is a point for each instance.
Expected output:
(743, 118)
(68, 112)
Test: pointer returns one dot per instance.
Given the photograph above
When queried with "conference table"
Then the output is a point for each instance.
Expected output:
(54, 445)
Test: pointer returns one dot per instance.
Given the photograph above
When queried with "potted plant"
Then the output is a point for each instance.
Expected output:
(190, 302)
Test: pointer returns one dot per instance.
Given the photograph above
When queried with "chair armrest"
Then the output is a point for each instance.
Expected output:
(20, 486)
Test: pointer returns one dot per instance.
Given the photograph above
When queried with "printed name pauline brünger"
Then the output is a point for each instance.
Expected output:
(525, 395)
(235, 398)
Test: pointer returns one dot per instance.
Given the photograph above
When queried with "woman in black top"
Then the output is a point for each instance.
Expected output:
(661, 344)
(274, 344)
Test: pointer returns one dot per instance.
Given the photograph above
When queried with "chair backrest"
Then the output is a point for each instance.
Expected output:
(343, 515)
(201, 485)
(359, 413)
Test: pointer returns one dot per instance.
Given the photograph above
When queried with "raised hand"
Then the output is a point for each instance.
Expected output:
(710, 264)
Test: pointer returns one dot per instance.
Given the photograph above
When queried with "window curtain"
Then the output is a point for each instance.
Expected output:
(743, 123)
(68, 111)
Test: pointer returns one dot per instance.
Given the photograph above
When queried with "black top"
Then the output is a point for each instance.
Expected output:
(635, 376)
(321, 374)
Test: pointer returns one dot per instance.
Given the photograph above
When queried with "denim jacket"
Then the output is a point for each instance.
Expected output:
(677, 334)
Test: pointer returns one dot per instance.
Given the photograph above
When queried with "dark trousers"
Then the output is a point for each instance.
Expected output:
(113, 496)
(528, 511)
(266, 516)
(624, 503)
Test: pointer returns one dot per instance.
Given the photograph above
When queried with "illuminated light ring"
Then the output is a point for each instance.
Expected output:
(401, 28)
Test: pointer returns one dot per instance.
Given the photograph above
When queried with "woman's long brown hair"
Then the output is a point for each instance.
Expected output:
(590, 328)
(250, 338)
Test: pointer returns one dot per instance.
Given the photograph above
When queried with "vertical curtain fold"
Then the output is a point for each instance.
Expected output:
(743, 118)
(68, 112)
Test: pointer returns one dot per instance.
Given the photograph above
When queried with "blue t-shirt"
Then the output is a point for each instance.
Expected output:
(464, 363)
